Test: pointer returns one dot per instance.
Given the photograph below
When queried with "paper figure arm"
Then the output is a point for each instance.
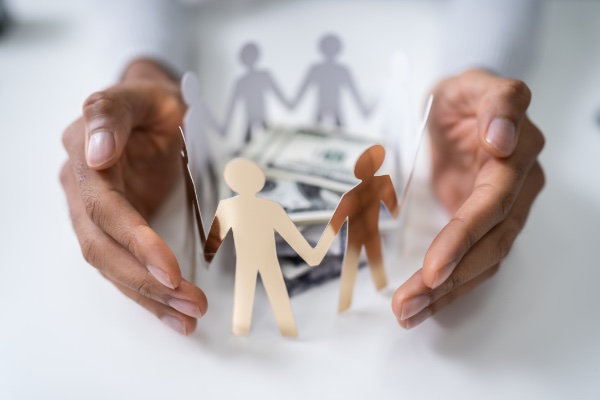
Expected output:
(277, 90)
(290, 233)
(388, 196)
(333, 228)
(219, 228)
(308, 79)
(357, 98)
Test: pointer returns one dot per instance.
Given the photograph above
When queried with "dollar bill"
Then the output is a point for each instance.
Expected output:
(310, 277)
(315, 157)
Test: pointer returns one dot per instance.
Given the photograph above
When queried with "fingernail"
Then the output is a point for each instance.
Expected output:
(161, 276)
(174, 323)
(414, 305)
(502, 135)
(101, 148)
(185, 307)
(417, 319)
(443, 274)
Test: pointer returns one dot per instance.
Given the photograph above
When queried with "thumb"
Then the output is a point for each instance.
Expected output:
(109, 117)
(501, 114)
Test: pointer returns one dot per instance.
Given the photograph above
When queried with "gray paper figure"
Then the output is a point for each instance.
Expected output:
(251, 89)
(330, 77)
(197, 118)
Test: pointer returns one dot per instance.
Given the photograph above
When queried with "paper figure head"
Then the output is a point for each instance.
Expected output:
(244, 176)
(330, 46)
(189, 88)
(369, 162)
(249, 54)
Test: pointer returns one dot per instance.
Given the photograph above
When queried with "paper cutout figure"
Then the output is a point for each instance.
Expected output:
(251, 89)
(360, 207)
(192, 203)
(330, 77)
(197, 118)
(253, 221)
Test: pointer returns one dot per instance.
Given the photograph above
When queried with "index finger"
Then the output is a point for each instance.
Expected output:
(109, 209)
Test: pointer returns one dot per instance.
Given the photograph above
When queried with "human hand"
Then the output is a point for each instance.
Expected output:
(123, 159)
(486, 174)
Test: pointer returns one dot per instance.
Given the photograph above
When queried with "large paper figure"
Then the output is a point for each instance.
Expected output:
(360, 206)
(330, 78)
(251, 89)
(253, 222)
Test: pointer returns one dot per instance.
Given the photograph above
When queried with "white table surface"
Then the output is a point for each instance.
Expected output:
(532, 332)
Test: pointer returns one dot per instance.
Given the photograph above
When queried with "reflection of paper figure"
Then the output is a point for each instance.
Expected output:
(251, 89)
(253, 221)
(360, 206)
(399, 125)
(330, 78)
(197, 118)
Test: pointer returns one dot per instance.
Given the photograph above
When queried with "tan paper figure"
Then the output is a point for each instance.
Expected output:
(253, 222)
(360, 207)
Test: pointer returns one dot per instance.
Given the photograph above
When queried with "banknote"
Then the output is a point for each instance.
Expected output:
(311, 156)
(304, 203)
(310, 277)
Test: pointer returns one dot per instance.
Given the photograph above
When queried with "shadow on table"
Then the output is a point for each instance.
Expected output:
(540, 311)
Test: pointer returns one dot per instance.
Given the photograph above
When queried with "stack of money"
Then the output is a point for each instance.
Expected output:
(308, 170)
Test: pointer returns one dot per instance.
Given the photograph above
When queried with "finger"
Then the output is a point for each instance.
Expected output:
(174, 319)
(112, 114)
(500, 112)
(497, 186)
(415, 295)
(115, 261)
(102, 195)
(445, 300)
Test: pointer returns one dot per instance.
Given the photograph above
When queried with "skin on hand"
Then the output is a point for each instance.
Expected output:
(123, 160)
(487, 175)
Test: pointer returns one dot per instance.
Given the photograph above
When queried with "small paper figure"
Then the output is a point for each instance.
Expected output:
(253, 222)
(330, 77)
(360, 207)
(251, 89)
(197, 118)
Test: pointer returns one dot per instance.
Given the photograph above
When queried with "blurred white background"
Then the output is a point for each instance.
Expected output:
(530, 333)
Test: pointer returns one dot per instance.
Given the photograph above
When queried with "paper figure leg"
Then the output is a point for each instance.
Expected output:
(348, 278)
(375, 261)
(280, 300)
(243, 299)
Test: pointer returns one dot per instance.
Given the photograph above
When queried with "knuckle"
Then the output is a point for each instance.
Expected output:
(104, 103)
(506, 203)
(503, 246)
(93, 207)
(540, 176)
(517, 90)
(89, 250)
(127, 239)
(471, 234)
(539, 141)
(64, 175)
(455, 280)
(143, 287)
